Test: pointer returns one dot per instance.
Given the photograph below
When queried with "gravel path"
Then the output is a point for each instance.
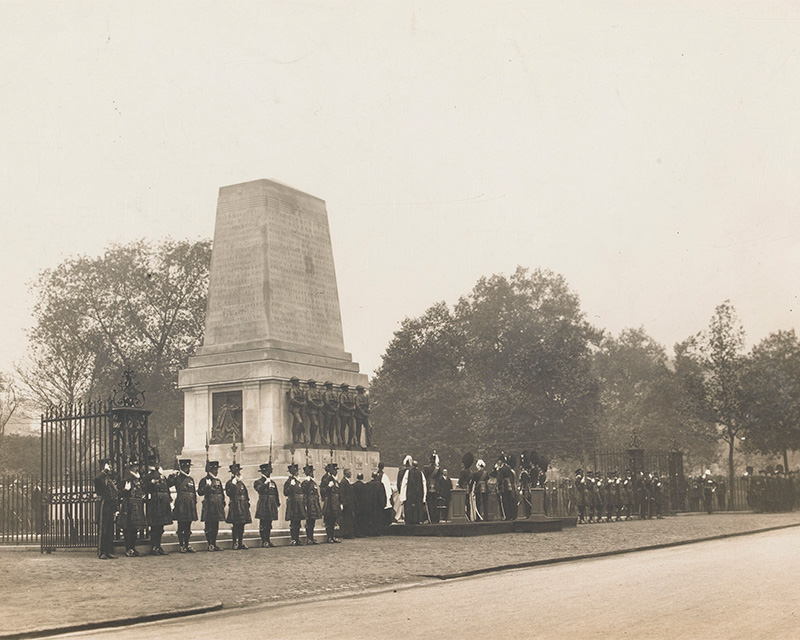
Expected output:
(74, 587)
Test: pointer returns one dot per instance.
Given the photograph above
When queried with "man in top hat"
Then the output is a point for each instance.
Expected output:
(131, 508)
(295, 507)
(331, 501)
(184, 511)
(362, 417)
(314, 405)
(158, 504)
(297, 405)
(213, 512)
(311, 502)
(330, 414)
(347, 408)
(268, 503)
(347, 528)
(106, 490)
(238, 506)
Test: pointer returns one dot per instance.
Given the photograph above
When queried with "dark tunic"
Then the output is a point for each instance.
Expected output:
(159, 500)
(347, 497)
(360, 501)
(331, 497)
(414, 507)
(311, 499)
(268, 499)
(238, 502)
(131, 509)
(210, 487)
(295, 506)
(185, 507)
(107, 491)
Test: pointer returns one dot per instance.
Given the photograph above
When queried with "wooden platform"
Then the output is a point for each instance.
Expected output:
(464, 529)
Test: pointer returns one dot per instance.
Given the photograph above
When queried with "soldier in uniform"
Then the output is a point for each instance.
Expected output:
(131, 508)
(295, 506)
(479, 491)
(347, 408)
(627, 494)
(347, 498)
(238, 506)
(580, 494)
(184, 510)
(599, 495)
(311, 501)
(506, 487)
(709, 488)
(360, 500)
(330, 414)
(213, 512)
(525, 485)
(314, 405)
(330, 492)
(107, 511)
(658, 496)
(268, 503)
(158, 503)
(362, 417)
(297, 404)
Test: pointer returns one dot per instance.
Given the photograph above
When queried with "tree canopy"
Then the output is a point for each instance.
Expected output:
(508, 368)
(140, 306)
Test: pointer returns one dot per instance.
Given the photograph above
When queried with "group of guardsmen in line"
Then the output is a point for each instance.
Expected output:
(329, 416)
(145, 500)
(605, 497)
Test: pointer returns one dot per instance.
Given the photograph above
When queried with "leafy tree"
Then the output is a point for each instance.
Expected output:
(508, 368)
(711, 368)
(772, 396)
(139, 306)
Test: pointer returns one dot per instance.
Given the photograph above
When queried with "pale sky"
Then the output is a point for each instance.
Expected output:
(647, 151)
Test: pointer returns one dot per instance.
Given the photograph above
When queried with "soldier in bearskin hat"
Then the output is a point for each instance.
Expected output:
(331, 504)
(131, 508)
(311, 501)
(158, 504)
(295, 507)
(580, 494)
(184, 511)
(268, 503)
(213, 512)
(238, 506)
(107, 511)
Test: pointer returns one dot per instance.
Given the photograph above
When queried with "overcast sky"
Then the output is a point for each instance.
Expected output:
(647, 151)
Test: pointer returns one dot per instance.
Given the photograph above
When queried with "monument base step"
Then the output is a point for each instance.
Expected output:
(465, 529)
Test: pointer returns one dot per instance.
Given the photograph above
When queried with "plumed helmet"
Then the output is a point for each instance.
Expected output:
(480, 464)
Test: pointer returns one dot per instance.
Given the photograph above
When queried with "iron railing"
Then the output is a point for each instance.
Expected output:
(20, 509)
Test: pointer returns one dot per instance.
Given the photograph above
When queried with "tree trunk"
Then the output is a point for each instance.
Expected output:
(785, 460)
(731, 442)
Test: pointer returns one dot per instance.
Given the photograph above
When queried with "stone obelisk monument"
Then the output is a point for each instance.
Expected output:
(273, 314)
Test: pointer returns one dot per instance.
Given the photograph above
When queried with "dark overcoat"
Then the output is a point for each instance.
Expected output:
(268, 499)
(238, 502)
(210, 487)
(185, 506)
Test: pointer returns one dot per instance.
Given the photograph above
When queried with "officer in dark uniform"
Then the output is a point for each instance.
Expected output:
(506, 487)
(331, 504)
(525, 484)
(131, 508)
(580, 494)
(433, 476)
(238, 506)
(658, 496)
(313, 508)
(627, 494)
(709, 488)
(295, 507)
(479, 491)
(268, 503)
(330, 414)
(362, 417)
(107, 511)
(314, 405)
(184, 510)
(348, 500)
(213, 512)
(158, 505)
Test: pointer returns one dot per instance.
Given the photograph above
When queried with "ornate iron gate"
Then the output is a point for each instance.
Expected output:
(74, 438)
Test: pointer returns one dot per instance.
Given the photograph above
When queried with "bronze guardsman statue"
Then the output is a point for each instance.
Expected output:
(330, 414)
(238, 506)
(268, 503)
(295, 506)
(213, 512)
(107, 511)
(184, 510)
(131, 508)
(331, 501)
(347, 408)
(314, 405)
(311, 501)
(362, 417)
(158, 504)
(297, 405)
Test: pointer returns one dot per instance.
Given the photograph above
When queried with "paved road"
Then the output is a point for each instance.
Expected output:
(744, 587)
